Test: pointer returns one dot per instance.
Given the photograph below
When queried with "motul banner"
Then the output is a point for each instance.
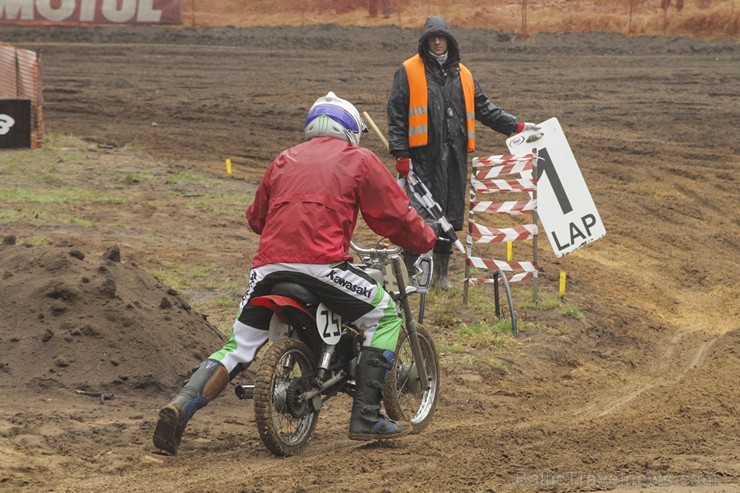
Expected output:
(90, 12)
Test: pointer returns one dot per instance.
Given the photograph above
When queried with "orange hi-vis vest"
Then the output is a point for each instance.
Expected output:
(418, 101)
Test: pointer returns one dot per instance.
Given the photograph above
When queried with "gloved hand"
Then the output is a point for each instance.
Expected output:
(403, 165)
(536, 133)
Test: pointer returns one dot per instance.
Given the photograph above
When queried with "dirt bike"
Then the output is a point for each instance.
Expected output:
(313, 355)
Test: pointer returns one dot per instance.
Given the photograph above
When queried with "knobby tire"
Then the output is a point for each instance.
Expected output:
(403, 397)
(282, 433)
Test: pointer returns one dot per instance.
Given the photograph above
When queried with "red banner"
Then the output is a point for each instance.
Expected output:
(90, 12)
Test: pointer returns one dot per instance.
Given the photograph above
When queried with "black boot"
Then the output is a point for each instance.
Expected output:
(208, 381)
(441, 259)
(367, 422)
(409, 259)
(441, 264)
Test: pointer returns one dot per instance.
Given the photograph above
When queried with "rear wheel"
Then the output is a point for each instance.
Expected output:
(285, 422)
(404, 395)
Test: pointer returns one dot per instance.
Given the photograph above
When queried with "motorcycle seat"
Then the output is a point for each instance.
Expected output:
(296, 291)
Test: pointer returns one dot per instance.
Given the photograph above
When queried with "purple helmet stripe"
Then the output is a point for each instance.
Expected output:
(334, 112)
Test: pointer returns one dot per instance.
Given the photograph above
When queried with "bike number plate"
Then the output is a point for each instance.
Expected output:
(329, 324)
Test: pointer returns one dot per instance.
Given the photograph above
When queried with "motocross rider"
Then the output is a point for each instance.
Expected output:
(305, 210)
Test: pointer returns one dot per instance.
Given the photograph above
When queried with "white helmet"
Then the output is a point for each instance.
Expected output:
(331, 116)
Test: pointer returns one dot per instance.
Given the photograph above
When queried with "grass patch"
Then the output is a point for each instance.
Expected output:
(219, 205)
(50, 174)
(185, 177)
(21, 195)
(561, 333)
(134, 178)
(181, 276)
(484, 335)
(35, 241)
(571, 311)
(554, 302)
(206, 271)
(449, 347)
(547, 301)
(468, 330)
(171, 277)
(224, 301)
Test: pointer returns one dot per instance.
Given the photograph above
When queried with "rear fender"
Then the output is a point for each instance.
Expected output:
(279, 305)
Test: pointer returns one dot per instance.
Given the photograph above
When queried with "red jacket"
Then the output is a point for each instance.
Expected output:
(306, 206)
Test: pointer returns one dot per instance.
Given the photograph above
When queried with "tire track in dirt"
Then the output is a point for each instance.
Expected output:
(695, 358)
(697, 321)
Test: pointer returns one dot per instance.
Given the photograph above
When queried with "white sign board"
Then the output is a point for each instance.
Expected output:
(564, 205)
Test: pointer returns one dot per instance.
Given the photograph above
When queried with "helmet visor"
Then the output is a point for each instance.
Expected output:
(339, 115)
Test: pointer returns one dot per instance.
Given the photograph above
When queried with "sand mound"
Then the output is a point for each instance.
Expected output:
(72, 320)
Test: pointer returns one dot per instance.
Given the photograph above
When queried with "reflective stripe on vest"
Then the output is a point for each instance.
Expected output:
(418, 102)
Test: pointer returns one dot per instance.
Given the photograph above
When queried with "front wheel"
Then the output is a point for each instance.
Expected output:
(285, 422)
(404, 396)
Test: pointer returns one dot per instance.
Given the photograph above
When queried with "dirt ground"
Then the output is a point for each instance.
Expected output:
(639, 395)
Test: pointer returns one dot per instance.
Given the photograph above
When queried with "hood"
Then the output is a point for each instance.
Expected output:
(438, 25)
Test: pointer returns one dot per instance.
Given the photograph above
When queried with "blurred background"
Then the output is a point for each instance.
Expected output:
(523, 17)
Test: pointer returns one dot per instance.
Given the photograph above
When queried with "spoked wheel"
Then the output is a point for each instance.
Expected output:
(284, 421)
(404, 396)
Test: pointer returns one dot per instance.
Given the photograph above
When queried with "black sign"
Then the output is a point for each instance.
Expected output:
(15, 123)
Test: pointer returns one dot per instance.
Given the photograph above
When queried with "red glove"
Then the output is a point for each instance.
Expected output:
(403, 165)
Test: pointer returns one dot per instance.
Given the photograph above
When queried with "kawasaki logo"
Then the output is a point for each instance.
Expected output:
(366, 292)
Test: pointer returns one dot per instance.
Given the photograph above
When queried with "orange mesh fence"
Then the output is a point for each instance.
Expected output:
(20, 78)
(518, 16)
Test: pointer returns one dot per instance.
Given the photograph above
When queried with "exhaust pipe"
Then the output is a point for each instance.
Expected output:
(244, 391)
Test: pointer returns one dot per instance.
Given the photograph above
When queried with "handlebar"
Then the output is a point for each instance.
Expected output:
(367, 251)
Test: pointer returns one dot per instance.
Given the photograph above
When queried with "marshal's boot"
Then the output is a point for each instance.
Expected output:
(208, 381)
(409, 259)
(367, 422)
(441, 258)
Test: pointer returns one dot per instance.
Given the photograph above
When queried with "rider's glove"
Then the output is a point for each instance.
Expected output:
(403, 165)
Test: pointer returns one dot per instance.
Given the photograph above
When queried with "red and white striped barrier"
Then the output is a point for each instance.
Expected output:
(489, 176)
(521, 276)
(517, 185)
(502, 159)
(513, 207)
(493, 264)
(484, 234)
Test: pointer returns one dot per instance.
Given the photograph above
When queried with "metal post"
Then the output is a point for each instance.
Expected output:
(524, 19)
(466, 283)
(17, 75)
(514, 328)
(535, 219)
(496, 301)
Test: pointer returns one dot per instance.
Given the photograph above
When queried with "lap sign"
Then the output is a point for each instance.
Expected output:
(564, 204)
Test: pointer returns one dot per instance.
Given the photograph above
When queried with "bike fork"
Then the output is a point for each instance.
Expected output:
(411, 325)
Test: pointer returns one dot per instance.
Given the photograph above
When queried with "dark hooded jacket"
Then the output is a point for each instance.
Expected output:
(443, 163)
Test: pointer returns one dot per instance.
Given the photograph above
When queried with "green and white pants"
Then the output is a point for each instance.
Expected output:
(344, 288)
